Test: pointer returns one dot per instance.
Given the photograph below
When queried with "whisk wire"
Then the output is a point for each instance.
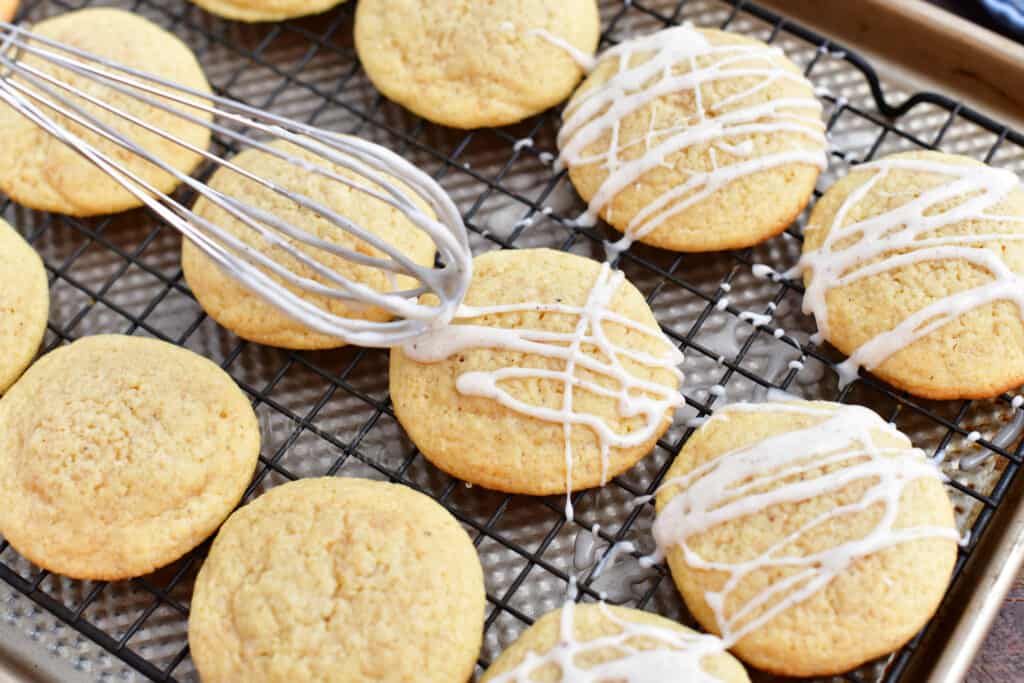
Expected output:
(248, 265)
(248, 118)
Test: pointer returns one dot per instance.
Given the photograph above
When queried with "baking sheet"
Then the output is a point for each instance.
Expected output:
(327, 413)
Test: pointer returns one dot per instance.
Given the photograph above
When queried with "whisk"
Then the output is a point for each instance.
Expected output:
(38, 96)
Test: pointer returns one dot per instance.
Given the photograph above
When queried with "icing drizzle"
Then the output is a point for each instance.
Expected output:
(780, 470)
(727, 125)
(584, 60)
(633, 396)
(899, 237)
(676, 656)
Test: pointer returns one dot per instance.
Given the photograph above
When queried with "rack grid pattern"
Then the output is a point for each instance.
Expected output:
(329, 413)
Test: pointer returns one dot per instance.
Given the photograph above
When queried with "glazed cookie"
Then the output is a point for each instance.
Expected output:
(246, 313)
(913, 268)
(470, 64)
(266, 10)
(120, 454)
(694, 140)
(811, 536)
(24, 304)
(43, 173)
(599, 642)
(486, 397)
(339, 580)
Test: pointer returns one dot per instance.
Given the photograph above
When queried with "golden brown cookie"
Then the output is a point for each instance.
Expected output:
(694, 140)
(249, 315)
(485, 398)
(339, 580)
(266, 10)
(120, 454)
(24, 304)
(8, 8)
(810, 536)
(913, 268)
(469, 64)
(592, 640)
(40, 172)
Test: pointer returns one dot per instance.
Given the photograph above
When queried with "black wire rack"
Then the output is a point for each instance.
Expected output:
(329, 413)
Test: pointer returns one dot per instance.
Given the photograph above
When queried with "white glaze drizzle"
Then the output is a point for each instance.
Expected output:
(614, 571)
(724, 125)
(633, 396)
(899, 237)
(1004, 438)
(780, 470)
(583, 60)
(676, 655)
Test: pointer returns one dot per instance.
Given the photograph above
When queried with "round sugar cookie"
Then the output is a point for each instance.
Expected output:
(266, 10)
(811, 536)
(8, 8)
(336, 579)
(246, 313)
(482, 398)
(913, 269)
(469, 64)
(694, 140)
(120, 454)
(592, 639)
(24, 304)
(40, 172)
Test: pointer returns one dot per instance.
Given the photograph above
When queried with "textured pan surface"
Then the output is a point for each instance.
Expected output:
(329, 412)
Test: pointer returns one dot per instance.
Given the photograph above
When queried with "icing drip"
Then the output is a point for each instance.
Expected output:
(522, 144)
(1004, 438)
(582, 59)
(634, 397)
(900, 237)
(780, 470)
(724, 125)
(615, 573)
(676, 656)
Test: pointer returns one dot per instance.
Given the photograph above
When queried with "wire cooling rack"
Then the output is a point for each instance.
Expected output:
(329, 413)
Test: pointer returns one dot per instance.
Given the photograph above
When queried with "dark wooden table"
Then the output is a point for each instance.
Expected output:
(1001, 659)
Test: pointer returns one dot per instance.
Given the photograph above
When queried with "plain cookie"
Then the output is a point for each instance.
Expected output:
(24, 304)
(810, 536)
(266, 10)
(249, 315)
(469, 64)
(694, 140)
(120, 454)
(337, 579)
(8, 8)
(913, 266)
(593, 639)
(40, 172)
(489, 412)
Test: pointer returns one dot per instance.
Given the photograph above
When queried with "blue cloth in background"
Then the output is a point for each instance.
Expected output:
(1009, 13)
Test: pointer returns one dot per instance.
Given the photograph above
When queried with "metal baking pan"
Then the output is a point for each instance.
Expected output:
(328, 413)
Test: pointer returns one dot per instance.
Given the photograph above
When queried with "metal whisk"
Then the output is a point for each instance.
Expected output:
(39, 96)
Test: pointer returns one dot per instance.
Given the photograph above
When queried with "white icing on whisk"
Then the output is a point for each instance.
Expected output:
(675, 656)
(633, 396)
(782, 469)
(723, 124)
(900, 237)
